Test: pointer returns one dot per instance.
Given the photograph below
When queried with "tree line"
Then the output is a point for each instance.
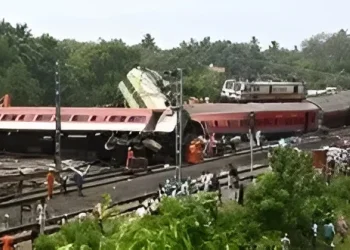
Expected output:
(90, 71)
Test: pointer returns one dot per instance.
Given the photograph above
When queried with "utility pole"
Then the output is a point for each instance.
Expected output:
(179, 125)
(58, 117)
(178, 108)
(251, 140)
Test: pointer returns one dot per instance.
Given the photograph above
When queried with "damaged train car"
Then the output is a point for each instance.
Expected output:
(148, 122)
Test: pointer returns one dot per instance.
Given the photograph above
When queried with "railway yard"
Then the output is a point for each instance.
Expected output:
(127, 189)
(128, 152)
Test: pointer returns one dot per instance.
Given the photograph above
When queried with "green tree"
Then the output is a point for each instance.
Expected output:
(148, 42)
(18, 82)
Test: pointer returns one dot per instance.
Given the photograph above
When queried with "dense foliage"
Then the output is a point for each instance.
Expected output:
(285, 200)
(91, 71)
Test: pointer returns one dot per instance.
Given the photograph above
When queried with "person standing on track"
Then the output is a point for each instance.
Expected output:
(79, 179)
(63, 182)
(129, 157)
(50, 178)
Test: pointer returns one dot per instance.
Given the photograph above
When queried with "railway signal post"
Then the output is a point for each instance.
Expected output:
(58, 117)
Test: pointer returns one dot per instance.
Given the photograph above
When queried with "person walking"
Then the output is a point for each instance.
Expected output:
(50, 178)
(329, 233)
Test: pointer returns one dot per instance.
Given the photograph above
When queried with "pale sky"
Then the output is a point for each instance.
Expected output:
(170, 22)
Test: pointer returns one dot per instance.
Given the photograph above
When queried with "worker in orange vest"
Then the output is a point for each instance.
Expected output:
(50, 183)
(7, 242)
(199, 150)
(191, 153)
(129, 157)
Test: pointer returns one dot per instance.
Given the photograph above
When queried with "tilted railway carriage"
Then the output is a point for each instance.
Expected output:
(277, 119)
(334, 109)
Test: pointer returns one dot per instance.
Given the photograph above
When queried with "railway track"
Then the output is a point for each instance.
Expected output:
(141, 187)
(128, 205)
(94, 179)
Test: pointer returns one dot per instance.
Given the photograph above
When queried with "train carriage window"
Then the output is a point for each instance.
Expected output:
(117, 118)
(268, 122)
(9, 117)
(222, 123)
(139, 119)
(229, 85)
(237, 86)
(216, 124)
(43, 118)
(244, 123)
(313, 117)
(259, 122)
(233, 123)
(295, 90)
(80, 118)
(289, 121)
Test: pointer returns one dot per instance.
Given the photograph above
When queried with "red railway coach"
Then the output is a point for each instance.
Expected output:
(334, 109)
(270, 118)
(74, 119)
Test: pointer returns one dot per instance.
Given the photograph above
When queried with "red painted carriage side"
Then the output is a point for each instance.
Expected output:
(75, 119)
(269, 117)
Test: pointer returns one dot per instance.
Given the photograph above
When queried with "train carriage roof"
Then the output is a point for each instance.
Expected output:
(330, 103)
(217, 108)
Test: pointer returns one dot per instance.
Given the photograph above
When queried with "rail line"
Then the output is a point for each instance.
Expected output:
(53, 223)
(108, 177)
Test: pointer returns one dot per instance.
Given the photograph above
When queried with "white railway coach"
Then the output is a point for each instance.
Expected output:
(236, 91)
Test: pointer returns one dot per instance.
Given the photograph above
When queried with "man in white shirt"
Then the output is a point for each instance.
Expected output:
(285, 242)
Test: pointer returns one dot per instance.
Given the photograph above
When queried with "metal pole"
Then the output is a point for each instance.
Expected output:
(251, 150)
(58, 117)
(177, 134)
(180, 123)
(251, 140)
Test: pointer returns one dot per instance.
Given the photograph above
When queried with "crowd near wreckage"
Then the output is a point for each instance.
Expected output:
(148, 125)
(333, 159)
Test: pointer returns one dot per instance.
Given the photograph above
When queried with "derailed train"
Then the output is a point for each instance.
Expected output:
(150, 129)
